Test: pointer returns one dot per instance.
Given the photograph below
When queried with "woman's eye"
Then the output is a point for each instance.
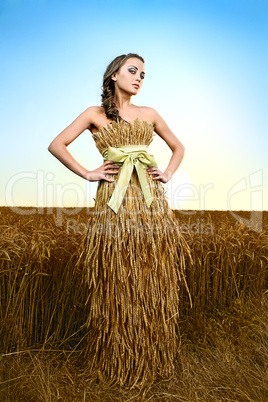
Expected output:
(132, 71)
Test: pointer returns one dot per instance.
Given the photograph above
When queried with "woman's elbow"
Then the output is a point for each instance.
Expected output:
(53, 147)
(50, 147)
(181, 148)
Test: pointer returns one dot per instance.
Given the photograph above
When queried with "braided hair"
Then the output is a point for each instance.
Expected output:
(107, 95)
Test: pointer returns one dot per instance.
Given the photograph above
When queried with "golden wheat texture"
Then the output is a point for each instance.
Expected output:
(134, 265)
(118, 300)
(222, 352)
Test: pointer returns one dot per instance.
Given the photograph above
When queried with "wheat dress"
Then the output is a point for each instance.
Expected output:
(133, 264)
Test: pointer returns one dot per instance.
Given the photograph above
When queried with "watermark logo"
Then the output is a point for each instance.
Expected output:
(199, 227)
(256, 200)
(50, 197)
(188, 192)
(44, 192)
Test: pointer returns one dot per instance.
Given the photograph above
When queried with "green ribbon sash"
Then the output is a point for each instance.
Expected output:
(130, 156)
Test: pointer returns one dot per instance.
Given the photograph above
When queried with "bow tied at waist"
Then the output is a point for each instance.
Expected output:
(131, 156)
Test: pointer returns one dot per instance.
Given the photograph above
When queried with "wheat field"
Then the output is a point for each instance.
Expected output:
(223, 349)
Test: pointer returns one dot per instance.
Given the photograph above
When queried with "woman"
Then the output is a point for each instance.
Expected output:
(133, 256)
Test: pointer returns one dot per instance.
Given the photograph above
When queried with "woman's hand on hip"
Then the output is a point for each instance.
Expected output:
(158, 174)
(101, 172)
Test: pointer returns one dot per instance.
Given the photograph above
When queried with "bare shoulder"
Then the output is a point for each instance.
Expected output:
(150, 114)
(161, 127)
(93, 111)
(97, 110)
(96, 117)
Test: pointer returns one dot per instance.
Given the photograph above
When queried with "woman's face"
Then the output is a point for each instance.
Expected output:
(129, 77)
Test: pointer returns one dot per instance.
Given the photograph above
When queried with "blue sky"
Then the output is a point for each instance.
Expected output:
(206, 74)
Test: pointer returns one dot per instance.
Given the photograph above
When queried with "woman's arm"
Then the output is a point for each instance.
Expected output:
(162, 129)
(58, 148)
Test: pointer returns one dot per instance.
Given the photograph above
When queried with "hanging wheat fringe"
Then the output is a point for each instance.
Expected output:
(122, 321)
(42, 311)
(134, 264)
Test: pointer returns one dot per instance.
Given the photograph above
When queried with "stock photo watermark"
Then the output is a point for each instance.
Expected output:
(200, 226)
(50, 199)
(254, 182)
